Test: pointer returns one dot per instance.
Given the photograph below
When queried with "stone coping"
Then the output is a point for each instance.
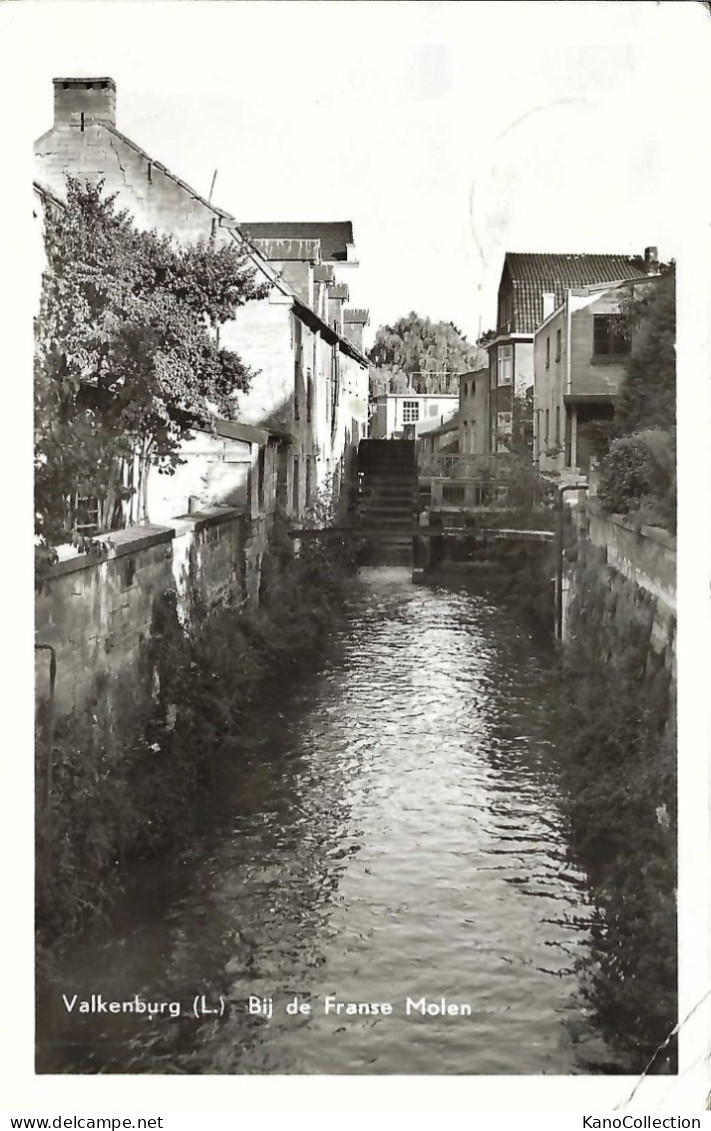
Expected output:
(209, 516)
(654, 533)
(121, 543)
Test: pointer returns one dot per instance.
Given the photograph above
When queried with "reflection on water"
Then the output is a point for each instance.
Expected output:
(389, 830)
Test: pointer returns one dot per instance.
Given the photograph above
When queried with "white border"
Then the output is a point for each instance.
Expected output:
(25, 1094)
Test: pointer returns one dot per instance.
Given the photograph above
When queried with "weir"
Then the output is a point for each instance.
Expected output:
(386, 500)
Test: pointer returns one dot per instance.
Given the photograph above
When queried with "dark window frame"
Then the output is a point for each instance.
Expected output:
(610, 336)
(412, 407)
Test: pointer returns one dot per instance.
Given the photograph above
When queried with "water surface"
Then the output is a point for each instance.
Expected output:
(390, 828)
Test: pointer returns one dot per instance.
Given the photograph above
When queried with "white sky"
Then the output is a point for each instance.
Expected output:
(448, 132)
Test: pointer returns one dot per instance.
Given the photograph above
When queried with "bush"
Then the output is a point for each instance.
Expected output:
(638, 476)
(618, 736)
(128, 768)
(598, 434)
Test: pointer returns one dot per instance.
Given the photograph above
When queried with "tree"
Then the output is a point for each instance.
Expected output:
(648, 395)
(420, 354)
(127, 357)
(637, 449)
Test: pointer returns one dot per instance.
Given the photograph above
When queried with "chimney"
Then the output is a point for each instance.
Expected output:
(354, 323)
(548, 304)
(651, 260)
(77, 101)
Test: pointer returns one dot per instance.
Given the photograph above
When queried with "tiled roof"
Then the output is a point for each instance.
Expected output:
(334, 235)
(533, 275)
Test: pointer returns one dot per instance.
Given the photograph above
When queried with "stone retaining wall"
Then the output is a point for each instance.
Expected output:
(97, 611)
(644, 558)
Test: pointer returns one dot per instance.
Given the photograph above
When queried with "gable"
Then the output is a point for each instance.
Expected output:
(527, 277)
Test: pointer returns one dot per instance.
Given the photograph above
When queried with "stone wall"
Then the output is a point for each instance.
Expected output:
(638, 566)
(96, 612)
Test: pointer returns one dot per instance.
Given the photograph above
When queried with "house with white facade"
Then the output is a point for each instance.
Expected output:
(400, 415)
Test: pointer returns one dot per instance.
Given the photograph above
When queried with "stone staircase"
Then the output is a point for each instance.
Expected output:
(385, 506)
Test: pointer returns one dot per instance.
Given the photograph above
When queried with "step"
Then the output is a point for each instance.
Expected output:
(387, 499)
(386, 508)
(387, 476)
(387, 484)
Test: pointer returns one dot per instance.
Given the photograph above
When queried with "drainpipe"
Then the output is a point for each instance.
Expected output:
(50, 721)
(559, 554)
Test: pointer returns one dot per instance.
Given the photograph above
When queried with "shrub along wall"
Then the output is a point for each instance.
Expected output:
(618, 741)
(97, 609)
(128, 762)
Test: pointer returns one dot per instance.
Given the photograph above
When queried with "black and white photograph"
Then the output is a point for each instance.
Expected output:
(359, 739)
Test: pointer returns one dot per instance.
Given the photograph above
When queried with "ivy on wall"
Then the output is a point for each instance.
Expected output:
(618, 743)
(127, 359)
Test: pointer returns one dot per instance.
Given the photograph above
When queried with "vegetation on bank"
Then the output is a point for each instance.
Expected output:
(618, 745)
(618, 713)
(616, 734)
(128, 768)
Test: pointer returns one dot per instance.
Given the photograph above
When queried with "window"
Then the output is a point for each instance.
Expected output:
(557, 425)
(309, 395)
(309, 480)
(454, 495)
(548, 424)
(86, 515)
(260, 479)
(295, 505)
(610, 337)
(548, 352)
(504, 361)
(335, 386)
(410, 412)
(282, 476)
(558, 344)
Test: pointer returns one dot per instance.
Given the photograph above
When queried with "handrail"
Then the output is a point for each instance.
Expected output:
(457, 465)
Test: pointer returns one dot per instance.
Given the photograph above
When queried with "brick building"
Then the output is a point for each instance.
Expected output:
(532, 286)
(580, 351)
(307, 406)
(473, 415)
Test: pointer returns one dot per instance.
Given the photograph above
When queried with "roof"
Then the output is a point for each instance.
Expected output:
(334, 235)
(234, 430)
(159, 165)
(47, 196)
(482, 371)
(534, 275)
(435, 427)
(419, 396)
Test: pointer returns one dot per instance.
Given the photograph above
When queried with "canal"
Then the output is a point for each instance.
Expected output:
(390, 829)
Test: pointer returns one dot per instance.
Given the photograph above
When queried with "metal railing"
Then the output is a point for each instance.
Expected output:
(457, 465)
